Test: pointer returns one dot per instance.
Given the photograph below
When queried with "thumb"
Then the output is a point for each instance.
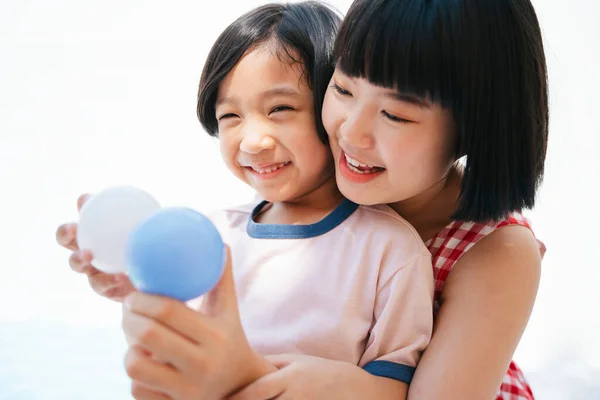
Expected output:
(82, 200)
(222, 299)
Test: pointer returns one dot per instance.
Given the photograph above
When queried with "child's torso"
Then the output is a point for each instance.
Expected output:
(311, 295)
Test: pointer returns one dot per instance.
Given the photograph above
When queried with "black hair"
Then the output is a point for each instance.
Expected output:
(481, 59)
(307, 28)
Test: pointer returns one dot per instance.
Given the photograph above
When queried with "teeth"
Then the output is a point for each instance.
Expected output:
(271, 168)
(356, 163)
(358, 171)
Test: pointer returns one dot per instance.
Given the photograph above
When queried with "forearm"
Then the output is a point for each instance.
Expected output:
(382, 388)
(354, 383)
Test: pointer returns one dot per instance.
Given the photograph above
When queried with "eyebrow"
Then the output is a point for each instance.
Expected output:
(276, 91)
(280, 91)
(408, 98)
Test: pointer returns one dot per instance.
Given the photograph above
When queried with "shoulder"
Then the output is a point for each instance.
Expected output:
(506, 261)
(232, 216)
(383, 224)
(507, 245)
(395, 243)
(480, 241)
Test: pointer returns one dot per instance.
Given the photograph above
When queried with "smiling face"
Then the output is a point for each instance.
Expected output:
(388, 147)
(267, 129)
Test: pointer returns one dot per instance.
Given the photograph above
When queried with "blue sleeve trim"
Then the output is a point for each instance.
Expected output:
(388, 369)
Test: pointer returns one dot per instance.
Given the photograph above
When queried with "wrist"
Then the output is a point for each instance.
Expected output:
(260, 367)
(254, 368)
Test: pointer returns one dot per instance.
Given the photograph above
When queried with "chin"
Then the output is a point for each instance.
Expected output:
(362, 197)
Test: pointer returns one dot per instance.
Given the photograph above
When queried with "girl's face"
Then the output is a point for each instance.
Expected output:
(388, 147)
(267, 129)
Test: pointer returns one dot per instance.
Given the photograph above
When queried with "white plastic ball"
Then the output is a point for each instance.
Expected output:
(106, 221)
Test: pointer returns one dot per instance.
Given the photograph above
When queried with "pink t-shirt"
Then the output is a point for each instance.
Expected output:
(357, 286)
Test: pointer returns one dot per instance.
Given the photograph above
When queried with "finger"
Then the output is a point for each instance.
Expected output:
(155, 376)
(82, 200)
(102, 283)
(286, 396)
(283, 360)
(66, 236)
(174, 315)
(222, 299)
(141, 392)
(123, 278)
(265, 388)
(81, 261)
(164, 344)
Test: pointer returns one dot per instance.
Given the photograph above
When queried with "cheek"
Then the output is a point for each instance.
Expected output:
(330, 114)
(320, 163)
(311, 150)
(310, 154)
(229, 150)
(438, 150)
(420, 157)
(444, 144)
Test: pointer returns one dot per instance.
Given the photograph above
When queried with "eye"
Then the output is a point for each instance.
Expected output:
(340, 90)
(227, 116)
(280, 108)
(394, 118)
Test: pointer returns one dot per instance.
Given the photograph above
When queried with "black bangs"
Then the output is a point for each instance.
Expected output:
(406, 50)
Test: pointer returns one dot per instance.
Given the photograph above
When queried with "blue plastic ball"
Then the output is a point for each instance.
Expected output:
(177, 252)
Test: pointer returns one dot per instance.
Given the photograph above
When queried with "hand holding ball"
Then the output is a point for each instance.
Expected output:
(107, 219)
(174, 252)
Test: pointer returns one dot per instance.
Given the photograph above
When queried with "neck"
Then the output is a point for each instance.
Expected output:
(431, 210)
(307, 209)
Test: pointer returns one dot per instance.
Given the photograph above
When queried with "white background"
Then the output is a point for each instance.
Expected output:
(96, 93)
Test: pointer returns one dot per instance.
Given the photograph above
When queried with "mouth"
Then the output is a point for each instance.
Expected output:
(358, 171)
(360, 167)
(267, 170)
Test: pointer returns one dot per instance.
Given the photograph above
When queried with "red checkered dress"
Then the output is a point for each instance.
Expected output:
(446, 248)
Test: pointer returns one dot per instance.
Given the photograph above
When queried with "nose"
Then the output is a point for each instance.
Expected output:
(356, 129)
(256, 137)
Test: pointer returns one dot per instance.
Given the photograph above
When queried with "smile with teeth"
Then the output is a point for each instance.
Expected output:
(270, 168)
(361, 168)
